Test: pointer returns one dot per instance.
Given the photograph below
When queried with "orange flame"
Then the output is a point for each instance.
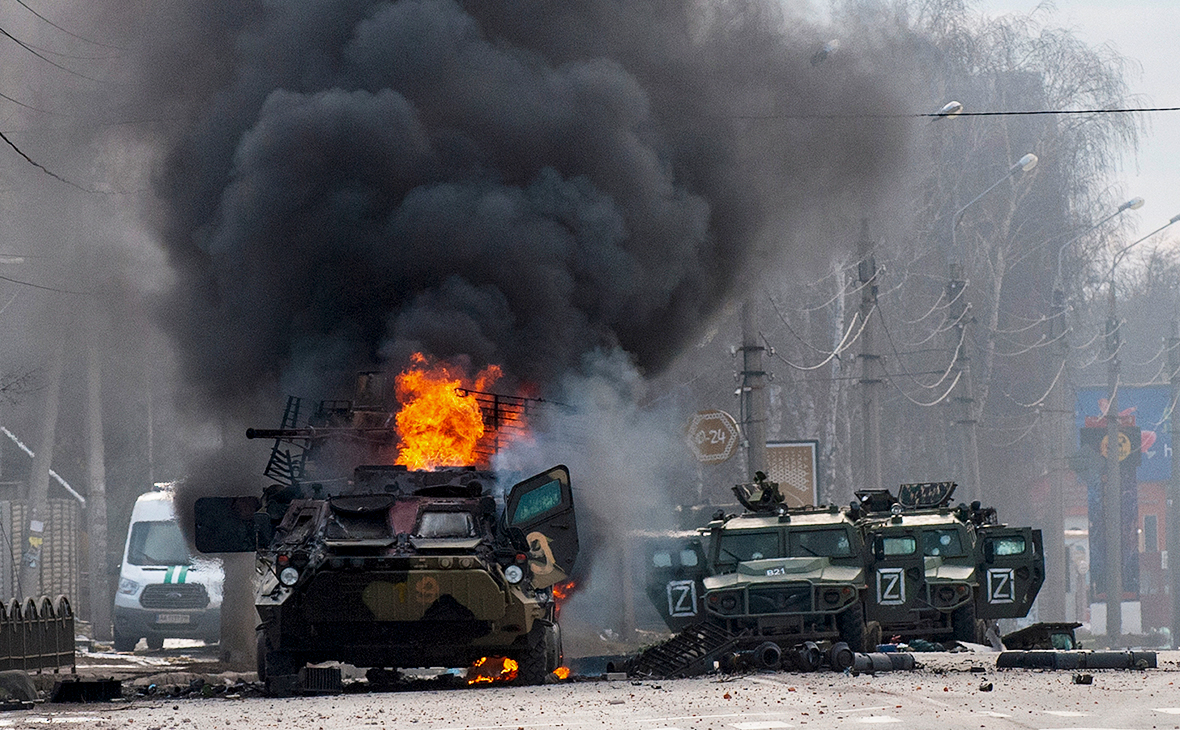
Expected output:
(562, 672)
(439, 424)
(486, 670)
(562, 591)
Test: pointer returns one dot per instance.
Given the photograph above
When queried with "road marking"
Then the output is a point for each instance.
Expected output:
(1169, 710)
(765, 725)
(1067, 713)
(989, 713)
(878, 719)
(50, 720)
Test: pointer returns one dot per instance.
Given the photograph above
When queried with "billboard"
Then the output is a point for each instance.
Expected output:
(1146, 407)
(795, 466)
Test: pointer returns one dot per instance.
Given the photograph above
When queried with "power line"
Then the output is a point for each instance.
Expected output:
(936, 115)
(63, 30)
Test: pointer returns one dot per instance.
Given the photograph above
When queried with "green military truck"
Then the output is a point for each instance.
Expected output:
(390, 568)
(769, 574)
(937, 572)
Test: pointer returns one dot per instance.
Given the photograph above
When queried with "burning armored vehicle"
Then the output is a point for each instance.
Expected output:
(390, 567)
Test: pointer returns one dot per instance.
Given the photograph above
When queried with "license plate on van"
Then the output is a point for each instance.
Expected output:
(172, 618)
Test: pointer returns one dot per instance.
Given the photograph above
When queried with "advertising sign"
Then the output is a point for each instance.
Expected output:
(794, 465)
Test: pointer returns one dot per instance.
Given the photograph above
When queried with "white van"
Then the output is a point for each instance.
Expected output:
(164, 592)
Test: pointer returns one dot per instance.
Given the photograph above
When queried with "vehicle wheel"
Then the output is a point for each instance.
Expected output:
(542, 645)
(123, 642)
(260, 659)
(872, 635)
(155, 643)
(851, 626)
(963, 623)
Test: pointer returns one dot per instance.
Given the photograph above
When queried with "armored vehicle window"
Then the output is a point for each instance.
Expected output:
(1009, 545)
(157, 543)
(445, 524)
(662, 559)
(739, 546)
(899, 545)
(945, 543)
(538, 501)
(820, 543)
(688, 558)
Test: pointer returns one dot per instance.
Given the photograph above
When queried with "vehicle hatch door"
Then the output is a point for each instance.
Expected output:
(675, 570)
(542, 507)
(1011, 571)
(896, 574)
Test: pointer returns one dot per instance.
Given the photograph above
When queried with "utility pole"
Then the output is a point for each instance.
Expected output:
(965, 400)
(1173, 502)
(870, 364)
(1052, 597)
(37, 504)
(96, 502)
(753, 384)
(1112, 513)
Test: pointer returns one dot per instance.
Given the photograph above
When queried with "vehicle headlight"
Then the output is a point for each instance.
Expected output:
(513, 574)
(288, 576)
(128, 587)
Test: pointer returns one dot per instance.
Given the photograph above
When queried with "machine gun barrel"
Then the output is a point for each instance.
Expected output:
(312, 433)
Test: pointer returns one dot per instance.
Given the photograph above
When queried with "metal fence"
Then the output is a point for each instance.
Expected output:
(37, 633)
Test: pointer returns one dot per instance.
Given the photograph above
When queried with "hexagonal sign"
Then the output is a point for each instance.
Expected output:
(712, 436)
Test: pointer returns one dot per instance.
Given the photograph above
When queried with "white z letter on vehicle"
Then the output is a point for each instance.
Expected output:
(682, 598)
(1001, 585)
(890, 586)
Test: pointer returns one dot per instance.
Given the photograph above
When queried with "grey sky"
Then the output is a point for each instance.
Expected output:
(1145, 31)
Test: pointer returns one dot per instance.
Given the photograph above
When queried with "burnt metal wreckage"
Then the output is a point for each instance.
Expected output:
(387, 568)
(808, 587)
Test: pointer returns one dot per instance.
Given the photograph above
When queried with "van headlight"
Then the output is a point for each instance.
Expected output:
(288, 576)
(128, 587)
(513, 574)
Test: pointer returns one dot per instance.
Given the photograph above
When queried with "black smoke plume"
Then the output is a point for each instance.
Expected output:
(518, 183)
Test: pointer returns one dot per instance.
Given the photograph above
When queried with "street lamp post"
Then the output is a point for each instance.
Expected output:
(967, 418)
(1053, 597)
(1112, 495)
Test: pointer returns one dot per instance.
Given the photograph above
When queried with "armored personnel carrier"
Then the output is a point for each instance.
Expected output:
(933, 570)
(769, 574)
(389, 568)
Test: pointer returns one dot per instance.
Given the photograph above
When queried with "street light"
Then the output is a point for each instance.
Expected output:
(1024, 164)
(1133, 204)
(955, 295)
(1112, 504)
(1054, 548)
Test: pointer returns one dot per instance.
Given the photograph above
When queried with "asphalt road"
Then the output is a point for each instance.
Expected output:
(944, 694)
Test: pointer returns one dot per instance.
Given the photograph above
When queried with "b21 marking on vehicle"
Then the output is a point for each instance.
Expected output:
(1001, 585)
(682, 598)
(890, 586)
(776, 571)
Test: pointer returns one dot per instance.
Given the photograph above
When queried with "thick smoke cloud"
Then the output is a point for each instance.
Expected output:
(519, 183)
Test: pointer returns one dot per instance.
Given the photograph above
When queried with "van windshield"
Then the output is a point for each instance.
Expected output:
(157, 543)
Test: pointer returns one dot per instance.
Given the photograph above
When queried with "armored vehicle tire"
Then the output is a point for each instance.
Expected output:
(872, 635)
(851, 626)
(123, 642)
(544, 645)
(963, 626)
